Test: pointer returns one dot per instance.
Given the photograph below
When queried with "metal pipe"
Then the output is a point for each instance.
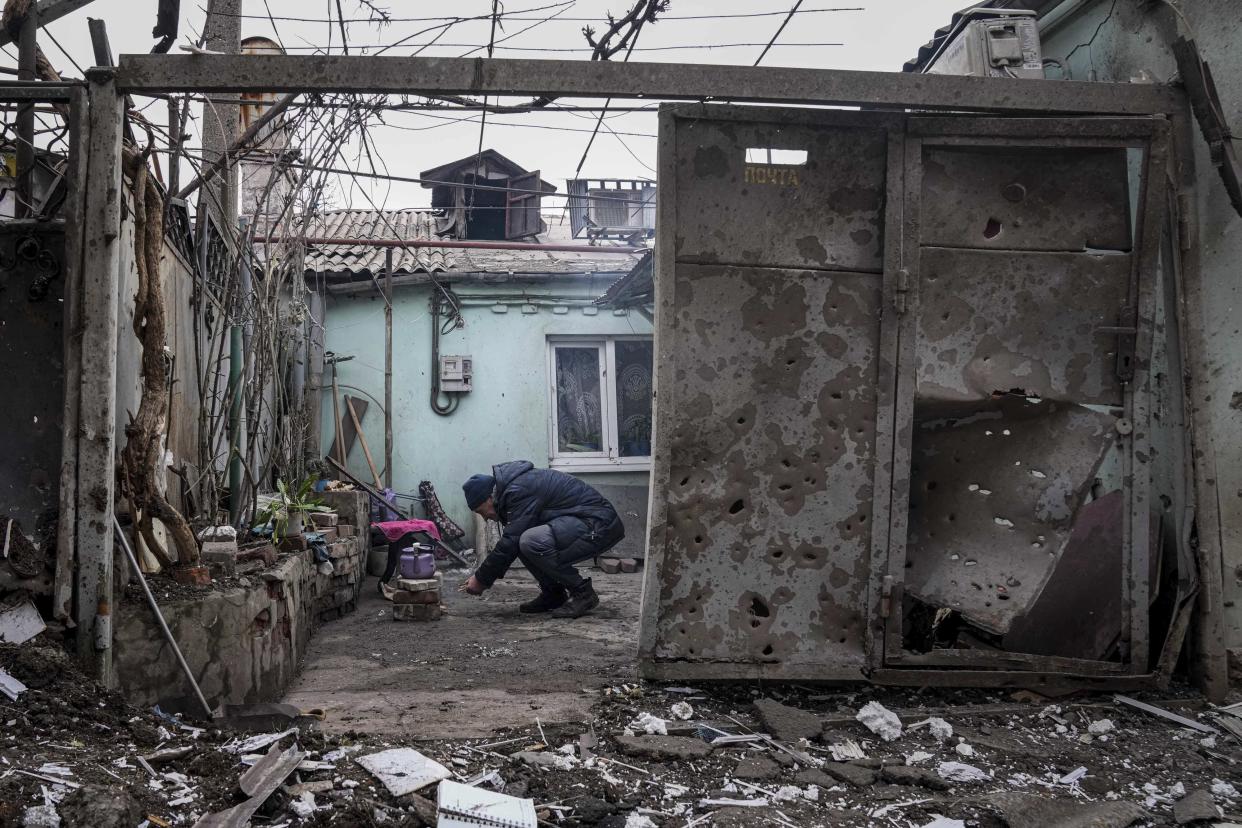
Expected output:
(159, 616)
(242, 140)
(235, 411)
(388, 369)
(451, 245)
(26, 59)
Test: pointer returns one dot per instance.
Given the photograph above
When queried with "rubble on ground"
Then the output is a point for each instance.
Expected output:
(74, 755)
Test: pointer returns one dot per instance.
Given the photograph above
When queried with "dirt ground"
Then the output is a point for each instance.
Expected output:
(483, 667)
(548, 710)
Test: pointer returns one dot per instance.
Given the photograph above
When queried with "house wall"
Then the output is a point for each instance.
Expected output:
(1133, 38)
(505, 417)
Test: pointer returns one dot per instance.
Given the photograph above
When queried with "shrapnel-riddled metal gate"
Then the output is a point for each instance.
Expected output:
(903, 391)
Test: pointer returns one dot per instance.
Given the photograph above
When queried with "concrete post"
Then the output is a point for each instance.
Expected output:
(97, 414)
(221, 121)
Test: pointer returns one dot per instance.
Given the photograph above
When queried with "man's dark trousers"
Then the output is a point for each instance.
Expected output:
(550, 550)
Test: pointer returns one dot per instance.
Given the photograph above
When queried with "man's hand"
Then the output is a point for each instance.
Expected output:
(473, 586)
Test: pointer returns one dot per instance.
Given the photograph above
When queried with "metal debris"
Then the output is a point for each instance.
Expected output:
(1166, 714)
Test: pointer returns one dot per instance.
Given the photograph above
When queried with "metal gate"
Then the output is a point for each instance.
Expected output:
(901, 395)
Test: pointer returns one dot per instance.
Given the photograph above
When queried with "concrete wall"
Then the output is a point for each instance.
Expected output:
(1136, 38)
(506, 416)
(243, 643)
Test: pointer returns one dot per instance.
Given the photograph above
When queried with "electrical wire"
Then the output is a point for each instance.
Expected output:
(772, 42)
(517, 16)
(575, 49)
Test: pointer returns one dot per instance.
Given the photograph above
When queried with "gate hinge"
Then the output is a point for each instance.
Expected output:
(902, 289)
(886, 596)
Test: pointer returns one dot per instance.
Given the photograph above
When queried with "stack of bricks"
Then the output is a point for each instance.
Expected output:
(417, 600)
(338, 592)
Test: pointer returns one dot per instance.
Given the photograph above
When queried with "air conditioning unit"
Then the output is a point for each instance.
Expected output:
(456, 374)
(611, 207)
(991, 43)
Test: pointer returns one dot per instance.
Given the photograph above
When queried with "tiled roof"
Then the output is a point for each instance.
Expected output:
(350, 262)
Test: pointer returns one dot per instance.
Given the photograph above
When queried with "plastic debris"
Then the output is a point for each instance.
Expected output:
(941, 730)
(651, 725)
(958, 772)
(845, 751)
(880, 720)
(1073, 776)
(683, 711)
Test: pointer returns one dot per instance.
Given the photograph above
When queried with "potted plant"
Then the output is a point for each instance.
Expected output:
(287, 510)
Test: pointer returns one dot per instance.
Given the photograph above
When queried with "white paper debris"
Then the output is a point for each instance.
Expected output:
(964, 749)
(461, 806)
(651, 725)
(1099, 728)
(917, 756)
(20, 623)
(945, 822)
(683, 711)
(404, 770)
(880, 720)
(958, 772)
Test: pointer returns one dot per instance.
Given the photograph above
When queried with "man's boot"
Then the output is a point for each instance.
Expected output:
(547, 601)
(582, 599)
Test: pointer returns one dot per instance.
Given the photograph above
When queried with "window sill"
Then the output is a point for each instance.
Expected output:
(594, 465)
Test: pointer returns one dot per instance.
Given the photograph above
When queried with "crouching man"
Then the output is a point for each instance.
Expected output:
(551, 521)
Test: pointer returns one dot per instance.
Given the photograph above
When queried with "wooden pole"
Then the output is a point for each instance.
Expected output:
(362, 438)
(339, 443)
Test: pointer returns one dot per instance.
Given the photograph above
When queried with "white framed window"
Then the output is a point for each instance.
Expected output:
(599, 404)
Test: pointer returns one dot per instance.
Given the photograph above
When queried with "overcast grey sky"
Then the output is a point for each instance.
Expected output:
(880, 36)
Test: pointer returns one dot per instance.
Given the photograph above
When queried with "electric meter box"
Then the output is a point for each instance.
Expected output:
(456, 373)
(991, 43)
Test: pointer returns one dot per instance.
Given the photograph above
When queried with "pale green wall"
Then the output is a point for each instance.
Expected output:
(504, 418)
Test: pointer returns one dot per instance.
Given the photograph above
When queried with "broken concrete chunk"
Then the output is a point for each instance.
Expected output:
(814, 776)
(850, 774)
(787, 723)
(1224, 789)
(41, 816)
(756, 768)
(663, 748)
(1023, 810)
(1099, 728)
(97, 806)
(920, 777)
(959, 772)
(403, 770)
(880, 720)
(1196, 806)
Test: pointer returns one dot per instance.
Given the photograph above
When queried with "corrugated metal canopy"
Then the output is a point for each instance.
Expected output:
(350, 262)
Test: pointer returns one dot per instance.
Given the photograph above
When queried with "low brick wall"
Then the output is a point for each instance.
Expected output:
(243, 643)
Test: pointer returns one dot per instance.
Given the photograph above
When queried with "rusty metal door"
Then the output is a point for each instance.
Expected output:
(775, 372)
(1020, 517)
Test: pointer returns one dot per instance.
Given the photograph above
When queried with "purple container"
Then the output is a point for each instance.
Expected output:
(417, 564)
